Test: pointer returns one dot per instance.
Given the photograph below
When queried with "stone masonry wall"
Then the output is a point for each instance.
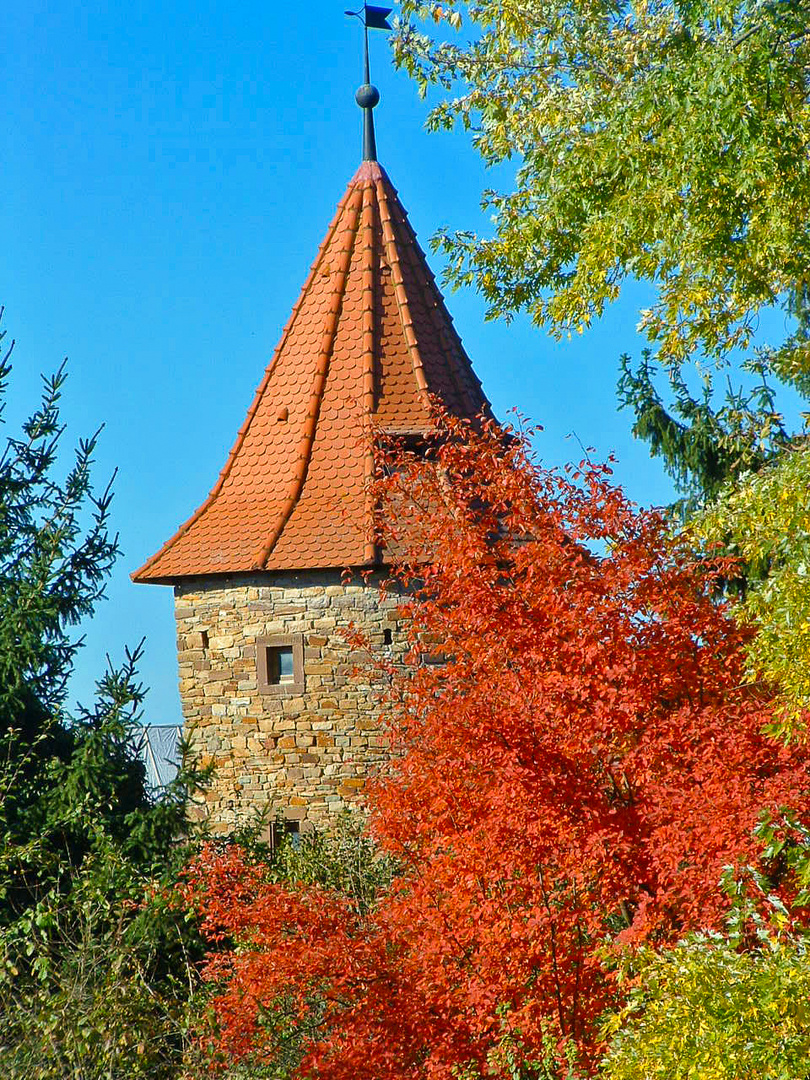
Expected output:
(305, 749)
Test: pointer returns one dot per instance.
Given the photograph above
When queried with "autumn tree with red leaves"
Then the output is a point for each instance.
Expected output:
(572, 772)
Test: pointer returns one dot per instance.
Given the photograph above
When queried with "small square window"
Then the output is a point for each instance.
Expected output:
(280, 664)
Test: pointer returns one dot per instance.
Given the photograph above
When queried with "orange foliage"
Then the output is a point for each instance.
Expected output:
(576, 771)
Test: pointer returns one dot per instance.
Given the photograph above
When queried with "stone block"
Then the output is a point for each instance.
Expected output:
(317, 669)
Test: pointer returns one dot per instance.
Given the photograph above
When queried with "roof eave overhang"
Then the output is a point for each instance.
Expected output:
(177, 579)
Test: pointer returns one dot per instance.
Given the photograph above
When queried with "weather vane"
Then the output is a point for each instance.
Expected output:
(368, 96)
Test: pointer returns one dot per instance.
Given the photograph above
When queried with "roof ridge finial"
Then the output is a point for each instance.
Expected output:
(368, 96)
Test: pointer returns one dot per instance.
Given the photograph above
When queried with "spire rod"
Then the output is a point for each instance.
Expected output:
(368, 96)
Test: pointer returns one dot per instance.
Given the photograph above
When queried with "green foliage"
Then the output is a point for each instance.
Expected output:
(52, 572)
(95, 980)
(95, 965)
(665, 142)
(765, 521)
(343, 858)
(786, 853)
(705, 1011)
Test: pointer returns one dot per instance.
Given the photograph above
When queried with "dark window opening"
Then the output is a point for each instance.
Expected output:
(279, 831)
(388, 636)
(280, 664)
(293, 830)
(279, 659)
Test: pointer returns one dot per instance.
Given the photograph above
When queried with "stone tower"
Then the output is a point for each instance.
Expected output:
(266, 678)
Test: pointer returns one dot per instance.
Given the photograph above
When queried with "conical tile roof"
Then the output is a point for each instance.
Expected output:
(366, 345)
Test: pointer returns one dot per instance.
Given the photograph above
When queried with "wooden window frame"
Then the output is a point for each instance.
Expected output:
(280, 641)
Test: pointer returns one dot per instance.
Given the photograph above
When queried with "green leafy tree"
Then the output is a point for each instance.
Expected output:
(661, 142)
(705, 1011)
(664, 142)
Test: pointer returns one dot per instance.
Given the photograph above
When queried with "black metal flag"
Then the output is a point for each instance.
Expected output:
(373, 18)
(377, 17)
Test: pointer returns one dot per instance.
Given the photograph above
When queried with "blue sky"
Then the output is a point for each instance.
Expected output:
(168, 173)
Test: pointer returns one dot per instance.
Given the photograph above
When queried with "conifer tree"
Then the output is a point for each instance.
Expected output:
(94, 965)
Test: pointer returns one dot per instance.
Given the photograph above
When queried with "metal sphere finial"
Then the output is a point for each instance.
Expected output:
(367, 96)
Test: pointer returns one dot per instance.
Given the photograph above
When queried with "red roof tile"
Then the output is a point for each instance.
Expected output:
(367, 342)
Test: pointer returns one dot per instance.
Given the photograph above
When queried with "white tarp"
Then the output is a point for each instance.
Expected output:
(158, 748)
